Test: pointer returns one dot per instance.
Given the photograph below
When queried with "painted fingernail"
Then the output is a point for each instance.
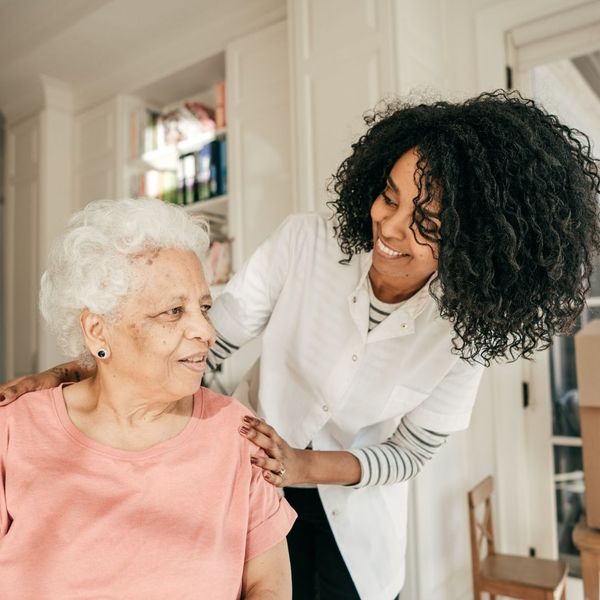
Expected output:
(2, 398)
(253, 460)
(248, 419)
(244, 430)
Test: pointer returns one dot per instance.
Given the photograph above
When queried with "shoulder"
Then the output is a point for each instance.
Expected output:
(27, 410)
(224, 409)
(224, 414)
(40, 399)
(307, 225)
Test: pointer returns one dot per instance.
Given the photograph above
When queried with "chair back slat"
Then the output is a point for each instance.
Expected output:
(481, 492)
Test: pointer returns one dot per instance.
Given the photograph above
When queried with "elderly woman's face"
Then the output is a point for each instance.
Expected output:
(163, 332)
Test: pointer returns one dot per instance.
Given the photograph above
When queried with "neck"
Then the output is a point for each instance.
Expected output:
(392, 290)
(125, 405)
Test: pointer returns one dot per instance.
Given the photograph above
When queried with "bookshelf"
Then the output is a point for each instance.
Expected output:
(176, 151)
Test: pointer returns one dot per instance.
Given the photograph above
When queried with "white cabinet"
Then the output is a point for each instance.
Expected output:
(260, 145)
(38, 202)
(343, 63)
(21, 234)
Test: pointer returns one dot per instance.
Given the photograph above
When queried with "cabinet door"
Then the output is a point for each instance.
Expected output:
(259, 154)
(342, 65)
(95, 156)
(21, 231)
(259, 138)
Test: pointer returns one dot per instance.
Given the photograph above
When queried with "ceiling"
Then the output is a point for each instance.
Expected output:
(101, 47)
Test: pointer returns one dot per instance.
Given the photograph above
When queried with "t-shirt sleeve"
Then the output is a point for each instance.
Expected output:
(448, 408)
(271, 517)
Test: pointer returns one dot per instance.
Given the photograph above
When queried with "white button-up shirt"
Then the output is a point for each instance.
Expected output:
(325, 379)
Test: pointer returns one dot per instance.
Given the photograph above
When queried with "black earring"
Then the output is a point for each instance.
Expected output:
(102, 353)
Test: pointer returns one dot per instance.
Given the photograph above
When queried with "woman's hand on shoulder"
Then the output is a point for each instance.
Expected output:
(283, 464)
(11, 390)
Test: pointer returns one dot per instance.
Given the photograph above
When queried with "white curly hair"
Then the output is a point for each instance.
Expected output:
(89, 266)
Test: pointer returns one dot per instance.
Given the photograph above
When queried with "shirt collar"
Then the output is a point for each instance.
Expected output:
(414, 306)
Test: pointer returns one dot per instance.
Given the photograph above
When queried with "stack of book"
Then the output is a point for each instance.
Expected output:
(203, 174)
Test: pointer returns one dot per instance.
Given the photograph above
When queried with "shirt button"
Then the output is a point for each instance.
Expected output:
(354, 357)
(325, 407)
(403, 325)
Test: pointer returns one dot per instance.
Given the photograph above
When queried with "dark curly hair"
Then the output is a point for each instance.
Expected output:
(517, 193)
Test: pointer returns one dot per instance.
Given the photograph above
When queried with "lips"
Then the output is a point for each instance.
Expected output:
(195, 362)
(387, 251)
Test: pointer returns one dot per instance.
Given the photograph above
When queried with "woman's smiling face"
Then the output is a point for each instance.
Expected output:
(163, 333)
(402, 259)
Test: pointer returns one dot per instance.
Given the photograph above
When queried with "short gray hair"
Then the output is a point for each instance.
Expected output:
(89, 266)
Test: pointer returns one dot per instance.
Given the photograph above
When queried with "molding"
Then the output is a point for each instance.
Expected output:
(492, 25)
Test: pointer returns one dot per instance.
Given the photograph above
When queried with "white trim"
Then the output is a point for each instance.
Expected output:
(492, 25)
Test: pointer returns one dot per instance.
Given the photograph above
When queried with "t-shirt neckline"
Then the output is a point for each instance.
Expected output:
(80, 438)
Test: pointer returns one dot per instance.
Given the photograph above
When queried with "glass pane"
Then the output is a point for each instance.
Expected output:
(568, 466)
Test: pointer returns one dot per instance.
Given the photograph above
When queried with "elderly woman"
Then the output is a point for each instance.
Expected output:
(134, 483)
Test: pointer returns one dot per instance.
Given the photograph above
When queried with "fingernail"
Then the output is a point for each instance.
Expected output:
(248, 419)
(267, 475)
(244, 430)
(253, 460)
(2, 398)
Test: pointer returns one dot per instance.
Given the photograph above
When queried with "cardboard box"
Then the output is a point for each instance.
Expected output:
(587, 357)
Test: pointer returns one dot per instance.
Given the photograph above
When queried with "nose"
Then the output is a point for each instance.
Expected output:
(397, 224)
(200, 327)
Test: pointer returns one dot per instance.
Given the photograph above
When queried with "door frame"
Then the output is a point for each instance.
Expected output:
(522, 483)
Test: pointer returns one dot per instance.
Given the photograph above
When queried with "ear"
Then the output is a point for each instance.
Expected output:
(95, 331)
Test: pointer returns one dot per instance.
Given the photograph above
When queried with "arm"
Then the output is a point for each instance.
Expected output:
(399, 458)
(71, 371)
(268, 575)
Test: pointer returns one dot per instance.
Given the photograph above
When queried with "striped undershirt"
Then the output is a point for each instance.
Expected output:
(402, 455)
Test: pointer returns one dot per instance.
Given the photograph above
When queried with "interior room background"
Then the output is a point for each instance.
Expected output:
(80, 81)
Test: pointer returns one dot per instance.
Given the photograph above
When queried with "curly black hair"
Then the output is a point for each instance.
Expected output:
(517, 197)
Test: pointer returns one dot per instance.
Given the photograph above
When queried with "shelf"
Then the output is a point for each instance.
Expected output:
(167, 157)
(564, 440)
(218, 205)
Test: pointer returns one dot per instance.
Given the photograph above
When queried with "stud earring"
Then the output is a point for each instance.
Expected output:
(102, 353)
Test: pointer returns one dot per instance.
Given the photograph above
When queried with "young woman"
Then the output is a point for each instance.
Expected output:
(462, 234)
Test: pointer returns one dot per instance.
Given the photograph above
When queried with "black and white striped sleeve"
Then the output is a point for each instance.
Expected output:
(400, 457)
(219, 351)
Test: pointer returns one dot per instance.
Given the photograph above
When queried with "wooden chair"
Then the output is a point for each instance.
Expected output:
(521, 577)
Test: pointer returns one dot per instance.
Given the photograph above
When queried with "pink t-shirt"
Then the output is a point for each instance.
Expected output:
(79, 519)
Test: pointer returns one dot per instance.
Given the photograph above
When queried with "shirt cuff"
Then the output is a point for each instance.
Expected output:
(365, 467)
